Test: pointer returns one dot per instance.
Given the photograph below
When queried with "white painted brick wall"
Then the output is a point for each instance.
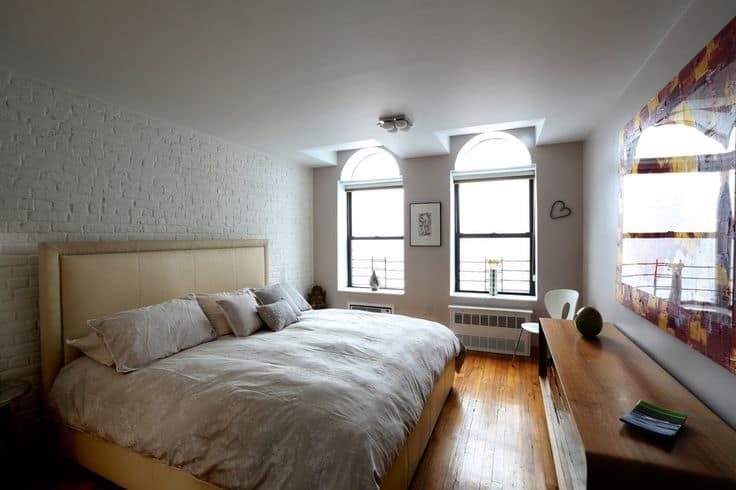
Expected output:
(76, 168)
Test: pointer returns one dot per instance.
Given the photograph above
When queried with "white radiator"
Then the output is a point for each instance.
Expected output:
(490, 329)
(371, 307)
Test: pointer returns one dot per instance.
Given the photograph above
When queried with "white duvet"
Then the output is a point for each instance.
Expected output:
(325, 403)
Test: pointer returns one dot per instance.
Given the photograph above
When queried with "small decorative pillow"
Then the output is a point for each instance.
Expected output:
(91, 345)
(240, 313)
(297, 298)
(213, 311)
(273, 294)
(277, 315)
(136, 338)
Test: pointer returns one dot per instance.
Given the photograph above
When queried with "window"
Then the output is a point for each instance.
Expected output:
(493, 185)
(374, 199)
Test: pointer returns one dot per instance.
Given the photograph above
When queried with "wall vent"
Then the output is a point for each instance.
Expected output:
(490, 329)
(371, 307)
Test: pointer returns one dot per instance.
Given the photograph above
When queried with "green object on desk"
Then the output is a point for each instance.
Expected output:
(589, 321)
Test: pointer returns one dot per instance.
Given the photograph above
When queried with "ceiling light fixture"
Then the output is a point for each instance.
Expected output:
(394, 122)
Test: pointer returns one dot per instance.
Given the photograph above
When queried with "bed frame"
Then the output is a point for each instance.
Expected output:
(82, 280)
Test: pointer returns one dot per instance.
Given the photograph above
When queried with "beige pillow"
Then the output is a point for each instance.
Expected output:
(240, 312)
(213, 311)
(92, 346)
(136, 338)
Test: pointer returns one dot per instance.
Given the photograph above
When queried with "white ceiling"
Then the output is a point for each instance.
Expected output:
(288, 76)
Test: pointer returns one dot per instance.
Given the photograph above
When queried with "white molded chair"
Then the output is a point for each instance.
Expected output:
(555, 301)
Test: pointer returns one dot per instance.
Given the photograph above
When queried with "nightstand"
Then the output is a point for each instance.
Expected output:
(10, 391)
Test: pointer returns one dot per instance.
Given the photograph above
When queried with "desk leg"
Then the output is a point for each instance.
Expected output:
(542, 354)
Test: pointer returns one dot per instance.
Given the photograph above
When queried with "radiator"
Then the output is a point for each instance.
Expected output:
(490, 329)
(371, 307)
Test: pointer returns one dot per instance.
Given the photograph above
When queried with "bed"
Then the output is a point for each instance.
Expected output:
(85, 280)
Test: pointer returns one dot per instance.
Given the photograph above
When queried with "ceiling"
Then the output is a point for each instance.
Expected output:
(288, 76)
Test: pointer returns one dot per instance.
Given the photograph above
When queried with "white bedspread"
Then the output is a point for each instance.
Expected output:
(324, 404)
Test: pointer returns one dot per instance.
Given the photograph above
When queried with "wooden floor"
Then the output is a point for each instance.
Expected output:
(491, 433)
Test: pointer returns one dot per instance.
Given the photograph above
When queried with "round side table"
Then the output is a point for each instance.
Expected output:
(532, 328)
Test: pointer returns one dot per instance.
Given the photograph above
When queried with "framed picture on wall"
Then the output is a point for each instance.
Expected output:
(426, 224)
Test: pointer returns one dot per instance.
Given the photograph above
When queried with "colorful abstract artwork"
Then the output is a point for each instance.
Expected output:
(675, 263)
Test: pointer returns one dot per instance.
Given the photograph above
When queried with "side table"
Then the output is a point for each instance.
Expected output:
(10, 391)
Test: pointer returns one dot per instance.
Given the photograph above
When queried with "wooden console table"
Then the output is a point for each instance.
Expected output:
(589, 384)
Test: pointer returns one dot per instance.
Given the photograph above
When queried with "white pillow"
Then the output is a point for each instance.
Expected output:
(139, 337)
(92, 346)
(297, 298)
(240, 313)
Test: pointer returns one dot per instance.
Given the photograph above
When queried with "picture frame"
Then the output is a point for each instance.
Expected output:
(425, 222)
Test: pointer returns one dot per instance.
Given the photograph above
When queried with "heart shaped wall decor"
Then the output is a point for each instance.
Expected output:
(559, 210)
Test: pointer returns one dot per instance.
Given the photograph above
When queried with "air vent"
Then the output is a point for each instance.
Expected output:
(490, 329)
(371, 307)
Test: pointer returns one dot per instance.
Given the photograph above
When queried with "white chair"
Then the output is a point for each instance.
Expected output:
(555, 302)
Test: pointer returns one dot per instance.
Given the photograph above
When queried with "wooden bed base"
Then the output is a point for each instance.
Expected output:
(134, 471)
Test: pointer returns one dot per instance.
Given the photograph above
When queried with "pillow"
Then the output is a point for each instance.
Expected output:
(240, 313)
(297, 298)
(277, 315)
(273, 294)
(92, 346)
(213, 312)
(136, 338)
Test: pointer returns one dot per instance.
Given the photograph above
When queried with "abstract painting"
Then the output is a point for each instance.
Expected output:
(675, 261)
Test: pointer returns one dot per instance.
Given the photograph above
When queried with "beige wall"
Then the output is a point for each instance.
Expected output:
(427, 269)
(710, 382)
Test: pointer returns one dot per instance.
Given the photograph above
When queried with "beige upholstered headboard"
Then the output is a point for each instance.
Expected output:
(83, 280)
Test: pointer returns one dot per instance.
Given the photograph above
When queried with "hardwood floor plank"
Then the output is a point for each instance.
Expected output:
(492, 433)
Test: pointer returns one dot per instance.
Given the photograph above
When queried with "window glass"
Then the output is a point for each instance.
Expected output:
(513, 272)
(494, 206)
(370, 164)
(492, 151)
(386, 257)
(376, 212)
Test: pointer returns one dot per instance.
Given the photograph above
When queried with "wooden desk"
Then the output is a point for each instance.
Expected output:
(590, 383)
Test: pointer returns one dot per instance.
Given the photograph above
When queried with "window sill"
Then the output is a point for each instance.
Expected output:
(394, 292)
(499, 297)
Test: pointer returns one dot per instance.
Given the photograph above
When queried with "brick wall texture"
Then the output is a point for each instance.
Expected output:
(76, 168)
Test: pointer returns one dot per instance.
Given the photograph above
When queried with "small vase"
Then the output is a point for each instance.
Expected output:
(374, 281)
(493, 286)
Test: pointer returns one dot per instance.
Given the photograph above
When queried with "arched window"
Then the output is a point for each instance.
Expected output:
(374, 208)
(493, 185)
(492, 151)
(370, 164)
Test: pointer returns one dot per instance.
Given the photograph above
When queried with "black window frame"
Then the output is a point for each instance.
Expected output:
(531, 235)
(350, 237)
